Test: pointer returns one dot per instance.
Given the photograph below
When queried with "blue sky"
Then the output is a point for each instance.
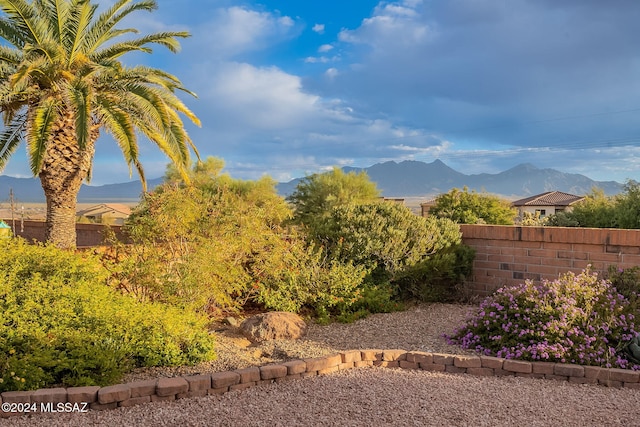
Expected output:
(290, 87)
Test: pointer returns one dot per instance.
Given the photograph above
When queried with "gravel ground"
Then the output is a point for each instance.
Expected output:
(378, 396)
(418, 328)
(370, 396)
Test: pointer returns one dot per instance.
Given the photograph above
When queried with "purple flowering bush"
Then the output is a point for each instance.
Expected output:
(574, 319)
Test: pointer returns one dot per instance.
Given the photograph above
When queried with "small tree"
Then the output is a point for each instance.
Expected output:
(627, 207)
(466, 207)
(596, 211)
(317, 194)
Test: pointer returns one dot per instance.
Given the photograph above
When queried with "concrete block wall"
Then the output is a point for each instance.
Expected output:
(508, 255)
(166, 389)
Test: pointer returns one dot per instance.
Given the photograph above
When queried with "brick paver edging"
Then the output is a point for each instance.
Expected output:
(163, 389)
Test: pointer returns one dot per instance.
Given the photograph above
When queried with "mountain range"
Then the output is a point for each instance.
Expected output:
(413, 178)
(394, 179)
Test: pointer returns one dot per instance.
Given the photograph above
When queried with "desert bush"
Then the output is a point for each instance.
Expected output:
(200, 247)
(464, 207)
(574, 319)
(61, 324)
(627, 206)
(598, 210)
(305, 278)
(316, 195)
(440, 278)
(529, 219)
(392, 244)
(385, 237)
(561, 219)
(221, 244)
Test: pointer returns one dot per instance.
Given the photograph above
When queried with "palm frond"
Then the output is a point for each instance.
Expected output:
(133, 77)
(78, 21)
(10, 55)
(148, 105)
(40, 123)
(143, 178)
(103, 29)
(23, 15)
(157, 77)
(57, 13)
(117, 50)
(119, 124)
(10, 33)
(167, 39)
(10, 139)
(80, 100)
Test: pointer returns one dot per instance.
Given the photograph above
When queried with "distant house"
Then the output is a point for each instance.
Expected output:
(106, 213)
(425, 207)
(546, 204)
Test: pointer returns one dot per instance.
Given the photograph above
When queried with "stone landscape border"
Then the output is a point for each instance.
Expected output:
(167, 389)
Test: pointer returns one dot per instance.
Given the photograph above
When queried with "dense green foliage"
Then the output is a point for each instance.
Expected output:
(595, 211)
(627, 206)
(307, 279)
(440, 278)
(407, 256)
(574, 319)
(317, 194)
(60, 324)
(385, 237)
(466, 207)
(600, 211)
(220, 243)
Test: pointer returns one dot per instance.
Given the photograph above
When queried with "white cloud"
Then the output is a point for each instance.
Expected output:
(433, 150)
(265, 98)
(237, 30)
(331, 73)
(325, 48)
(392, 24)
(318, 28)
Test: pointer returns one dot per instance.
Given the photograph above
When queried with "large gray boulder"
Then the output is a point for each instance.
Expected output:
(276, 325)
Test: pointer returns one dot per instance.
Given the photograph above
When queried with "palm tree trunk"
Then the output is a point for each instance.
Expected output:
(64, 169)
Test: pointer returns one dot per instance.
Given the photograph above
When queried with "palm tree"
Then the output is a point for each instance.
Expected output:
(62, 82)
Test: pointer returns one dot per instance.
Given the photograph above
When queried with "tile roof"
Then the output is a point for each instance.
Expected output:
(550, 198)
(106, 208)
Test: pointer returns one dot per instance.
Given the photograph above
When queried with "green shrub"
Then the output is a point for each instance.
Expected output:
(386, 237)
(392, 244)
(305, 278)
(203, 248)
(60, 323)
(316, 195)
(440, 278)
(574, 319)
(464, 207)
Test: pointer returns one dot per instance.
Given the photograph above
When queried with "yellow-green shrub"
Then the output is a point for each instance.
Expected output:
(223, 243)
(60, 324)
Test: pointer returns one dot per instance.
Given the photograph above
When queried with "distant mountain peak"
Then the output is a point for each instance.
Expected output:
(408, 178)
(525, 166)
(411, 178)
